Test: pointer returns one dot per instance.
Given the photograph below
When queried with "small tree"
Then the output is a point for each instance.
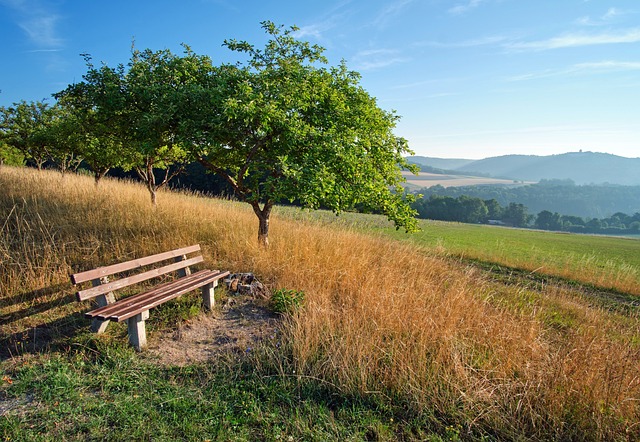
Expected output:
(282, 127)
(24, 128)
(10, 155)
(135, 113)
(97, 140)
(65, 140)
(516, 215)
(548, 221)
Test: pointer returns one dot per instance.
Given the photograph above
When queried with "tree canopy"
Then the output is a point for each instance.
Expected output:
(282, 126)
(130, 115)
(25, 127)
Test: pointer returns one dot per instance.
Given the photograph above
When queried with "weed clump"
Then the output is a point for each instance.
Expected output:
(287, 301)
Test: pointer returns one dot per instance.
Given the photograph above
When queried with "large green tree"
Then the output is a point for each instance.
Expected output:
(281, 125)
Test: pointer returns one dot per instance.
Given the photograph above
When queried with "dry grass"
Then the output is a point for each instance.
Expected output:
(381, 318)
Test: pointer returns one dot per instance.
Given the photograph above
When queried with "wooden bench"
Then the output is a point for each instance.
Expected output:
(135, 309)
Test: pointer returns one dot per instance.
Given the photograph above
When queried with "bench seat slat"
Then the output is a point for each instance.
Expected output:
(100, 272)
(131, 306)
(125, 282)
(161, 298)
(107, 310)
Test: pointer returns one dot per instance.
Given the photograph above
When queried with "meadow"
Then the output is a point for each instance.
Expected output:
(399, 338)
(607, 262)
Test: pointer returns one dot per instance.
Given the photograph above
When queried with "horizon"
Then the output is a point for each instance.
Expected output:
(495, 156)
(471, 79)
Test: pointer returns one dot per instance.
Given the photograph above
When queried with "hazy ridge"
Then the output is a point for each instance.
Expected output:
(580, 167)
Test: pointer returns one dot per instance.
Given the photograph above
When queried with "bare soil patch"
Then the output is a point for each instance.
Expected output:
(236, 326)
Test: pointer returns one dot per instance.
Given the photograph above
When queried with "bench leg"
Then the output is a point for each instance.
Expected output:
(98, 325)
(137, 331)
(207, 295)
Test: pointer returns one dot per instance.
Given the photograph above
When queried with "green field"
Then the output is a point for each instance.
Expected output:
(607, 262)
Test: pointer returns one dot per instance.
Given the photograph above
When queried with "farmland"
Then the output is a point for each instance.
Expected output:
(426, 179)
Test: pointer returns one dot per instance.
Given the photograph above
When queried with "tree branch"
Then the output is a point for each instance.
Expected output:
(240, 190)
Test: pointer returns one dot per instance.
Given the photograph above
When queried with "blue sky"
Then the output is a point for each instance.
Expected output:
(470, 78)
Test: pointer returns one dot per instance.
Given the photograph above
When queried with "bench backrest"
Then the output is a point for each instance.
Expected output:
(99, 274)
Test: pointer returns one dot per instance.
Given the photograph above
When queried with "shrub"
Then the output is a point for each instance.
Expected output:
(286, 301)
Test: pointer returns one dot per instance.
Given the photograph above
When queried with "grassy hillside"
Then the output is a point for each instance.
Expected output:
(605, 262)
(396, 340)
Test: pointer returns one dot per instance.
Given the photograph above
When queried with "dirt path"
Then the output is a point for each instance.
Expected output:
(237, 326)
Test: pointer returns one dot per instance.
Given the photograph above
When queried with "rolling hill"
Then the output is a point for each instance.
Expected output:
(580, 167)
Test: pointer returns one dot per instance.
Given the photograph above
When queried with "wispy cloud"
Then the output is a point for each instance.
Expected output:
(38, 21)
(33, 51)
(463, 8)
(328, 21)
(599, 67)
(315, 30)
(42, 30)
(578, 39)
(482, 41)
(392, 10)
(377, 59)
(607, 18)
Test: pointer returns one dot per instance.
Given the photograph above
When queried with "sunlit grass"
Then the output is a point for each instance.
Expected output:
(403, 324)
(604, 261)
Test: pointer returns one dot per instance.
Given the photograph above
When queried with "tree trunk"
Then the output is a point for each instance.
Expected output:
(152, 191)
(97, 176)
(151, 184)
(149, 179)
(263, 221)
(263, 230)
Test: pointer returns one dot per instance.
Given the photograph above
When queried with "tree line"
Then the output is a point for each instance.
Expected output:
(468, 209)
(562, 196)
(277, 125)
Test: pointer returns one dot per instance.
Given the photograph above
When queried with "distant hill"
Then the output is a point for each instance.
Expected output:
(441, 163)
(427, 179)
(580, 167)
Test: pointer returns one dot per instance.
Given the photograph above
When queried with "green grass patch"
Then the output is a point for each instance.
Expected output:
(108, 392)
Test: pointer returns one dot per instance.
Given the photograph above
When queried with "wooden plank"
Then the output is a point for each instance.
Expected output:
(125, 282)
(88, 275)
(125, 309)
(134, 301)
(146, 304)
(107, 311)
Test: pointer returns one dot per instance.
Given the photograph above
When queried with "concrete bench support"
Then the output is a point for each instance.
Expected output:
(207, 295)
(137, 330)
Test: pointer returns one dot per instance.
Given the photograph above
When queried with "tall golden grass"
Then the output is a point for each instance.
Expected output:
(382, 318)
